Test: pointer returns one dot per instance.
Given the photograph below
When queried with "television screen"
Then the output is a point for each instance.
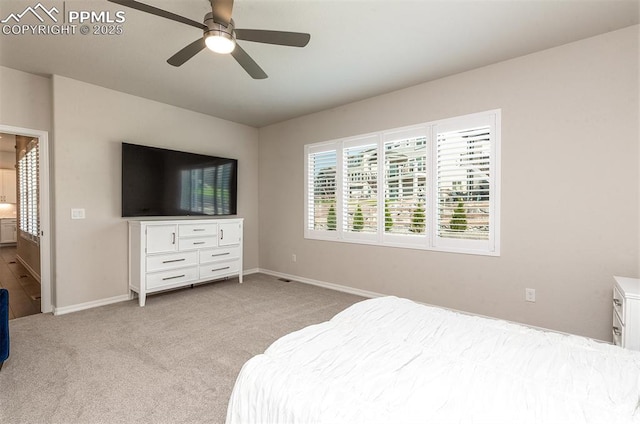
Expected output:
(161, 182)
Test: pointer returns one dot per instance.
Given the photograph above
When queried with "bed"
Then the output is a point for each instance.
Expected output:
(391, 360)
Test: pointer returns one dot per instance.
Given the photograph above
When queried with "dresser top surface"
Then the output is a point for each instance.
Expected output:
(184, 221)
(630, 286)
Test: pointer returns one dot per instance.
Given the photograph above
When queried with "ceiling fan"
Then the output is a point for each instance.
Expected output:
(220, 35)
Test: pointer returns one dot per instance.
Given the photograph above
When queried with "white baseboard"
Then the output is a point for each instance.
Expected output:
(88, 305)
(251, 271)
(33, 273)
(332, 286)
(122, 298)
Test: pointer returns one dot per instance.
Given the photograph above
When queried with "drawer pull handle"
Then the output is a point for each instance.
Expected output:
(173, 260)
(174, 277)
(198, 229)
(220, 269)
(617, 331)
(198, 242)
(220, 254)
(617, 302)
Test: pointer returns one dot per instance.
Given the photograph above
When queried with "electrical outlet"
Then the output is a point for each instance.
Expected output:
(530, 295)
(294, 258)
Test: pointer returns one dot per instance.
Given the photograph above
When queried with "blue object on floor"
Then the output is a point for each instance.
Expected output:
(4, 325)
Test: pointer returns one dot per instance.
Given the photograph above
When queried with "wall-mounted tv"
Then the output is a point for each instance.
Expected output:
(161, 182)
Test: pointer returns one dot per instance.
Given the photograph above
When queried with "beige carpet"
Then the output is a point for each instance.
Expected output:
(173, 361)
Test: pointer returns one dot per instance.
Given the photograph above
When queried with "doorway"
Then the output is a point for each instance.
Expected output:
(33, 161)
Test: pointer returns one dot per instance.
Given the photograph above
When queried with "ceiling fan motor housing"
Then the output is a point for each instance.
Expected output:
(216, 29)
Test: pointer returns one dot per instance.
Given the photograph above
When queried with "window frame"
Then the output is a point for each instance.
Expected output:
(429, 240)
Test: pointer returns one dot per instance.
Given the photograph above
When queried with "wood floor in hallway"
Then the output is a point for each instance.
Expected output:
(24, 290)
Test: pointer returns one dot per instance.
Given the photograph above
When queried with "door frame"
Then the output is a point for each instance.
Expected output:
(46, 291)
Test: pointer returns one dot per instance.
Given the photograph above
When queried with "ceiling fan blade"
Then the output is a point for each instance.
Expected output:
(247, 63)
(221, 10)
(187, 53)
(159, 12)
(282, 38)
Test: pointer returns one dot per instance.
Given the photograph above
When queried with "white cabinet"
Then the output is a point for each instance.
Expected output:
(229, 234)
(165, 255)
(8, 186)
(626, 312)
(8, 230)
(161, 238)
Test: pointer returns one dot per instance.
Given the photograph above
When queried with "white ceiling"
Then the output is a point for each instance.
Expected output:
(358, 49)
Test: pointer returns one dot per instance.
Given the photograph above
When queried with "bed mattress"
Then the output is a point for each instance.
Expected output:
(390, 360)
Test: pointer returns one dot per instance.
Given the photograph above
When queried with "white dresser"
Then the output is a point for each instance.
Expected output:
(626, 312)
(166, 255)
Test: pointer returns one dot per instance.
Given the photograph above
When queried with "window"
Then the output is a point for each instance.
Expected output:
(29, 196)
(360, 188)
(405, 182)
(431, 186)
(321, 188)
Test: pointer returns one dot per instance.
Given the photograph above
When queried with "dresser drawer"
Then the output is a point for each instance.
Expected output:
(172, 277)
(200, 230)
(617, 330)
(219, 269)
(619, 304)
(220, 254)
(171, 261)
(196, 243)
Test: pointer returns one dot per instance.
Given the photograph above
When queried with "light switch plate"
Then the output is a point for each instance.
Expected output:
(77, 214)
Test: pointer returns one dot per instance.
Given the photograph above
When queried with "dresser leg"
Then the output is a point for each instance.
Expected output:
(142, 298)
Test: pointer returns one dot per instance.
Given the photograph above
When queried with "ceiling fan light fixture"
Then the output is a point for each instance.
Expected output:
(222, 42)
(219, 38)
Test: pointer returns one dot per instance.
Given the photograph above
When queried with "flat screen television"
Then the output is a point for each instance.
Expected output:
(162, 182)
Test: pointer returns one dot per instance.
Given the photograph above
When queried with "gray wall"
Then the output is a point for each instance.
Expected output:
(570, 189)
(90, 123)
(25, 101)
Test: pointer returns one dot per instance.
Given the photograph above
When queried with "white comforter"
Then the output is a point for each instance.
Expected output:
(390, 360)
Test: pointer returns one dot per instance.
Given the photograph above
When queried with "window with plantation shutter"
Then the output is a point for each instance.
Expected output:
(405, 182)
(28, 175)
(433, 186)
(321, 206)
(464, 183)
(360, 187)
